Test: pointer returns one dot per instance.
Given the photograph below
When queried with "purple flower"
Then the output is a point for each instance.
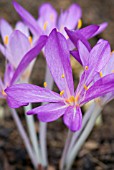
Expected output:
(68, 102)
(48, 18)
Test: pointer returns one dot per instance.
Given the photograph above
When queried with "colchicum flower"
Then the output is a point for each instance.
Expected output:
(68, 103)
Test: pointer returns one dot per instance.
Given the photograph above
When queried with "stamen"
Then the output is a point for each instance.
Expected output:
(30, 39)
(85, 87)
(62, 76)
(72, 99)
(45, 84)
(79, 24)
(4, 93)
(61, 93)
(6, 40)
(45, 26)
(101, 74)
(86, 67)
(77, 98)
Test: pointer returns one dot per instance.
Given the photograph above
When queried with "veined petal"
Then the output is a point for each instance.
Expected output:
(32, 54)
(75, 54)
(21, 94)
(100, 88)
(58, 60)
(73, 118)
(28, 19)
(69, 18)
(18, 46)
(49, 112)
(5, 29)
(22, 27)
(47, 17)
(89, 31)
(75, 36)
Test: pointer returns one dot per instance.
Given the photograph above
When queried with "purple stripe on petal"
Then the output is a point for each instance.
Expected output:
(58, 60)
(73, 118)
(49, 112)
(32, 54)
(28, 93)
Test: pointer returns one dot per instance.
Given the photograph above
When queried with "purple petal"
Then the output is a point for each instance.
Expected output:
(69, 18)
(102, 27)
(8, 74)
(28, 19)
(5, 28)
(100, 88)
(89, 31)
(32, 54)
(73, 118)
(75, 54)
(18, 46)
(22, 27)
(21, 94)
(58, 60)
(49, 112)
(47, 14)
(75, 36)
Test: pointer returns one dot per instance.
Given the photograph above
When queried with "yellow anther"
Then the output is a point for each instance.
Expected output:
(45, 25)
(45, 84)
(86, 67)
(72, 99)
(30, 39)
(6, 40)
(3, 93)
(61, 93)
(62, 76)
(79, 24)
(112, 71)
(85, 87)
(101, 74)
(52, 17)
(77, 98)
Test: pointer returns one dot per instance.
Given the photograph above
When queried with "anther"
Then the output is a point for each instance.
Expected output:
(79, 24)
(45, 84)
(61, 93)
(30, 39)
(3, 93)
(101, 74)
(45, 26)
(6, 40)
(85, 87)
(72, 99)
(86, 67)
(62, 76)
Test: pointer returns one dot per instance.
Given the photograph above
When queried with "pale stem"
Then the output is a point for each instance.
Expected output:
(83, 137)
(25, 138)
(84, 122)
(65, 151)
(43, 126)
(32, 133)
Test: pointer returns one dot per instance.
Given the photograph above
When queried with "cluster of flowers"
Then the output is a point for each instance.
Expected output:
(58, 38)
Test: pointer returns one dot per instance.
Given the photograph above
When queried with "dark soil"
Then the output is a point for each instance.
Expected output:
(98, 151)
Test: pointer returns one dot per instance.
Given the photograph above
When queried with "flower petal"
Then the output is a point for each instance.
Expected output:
(9, 71)
(21, 94)
(100, 88)
(102, 27)
(75, 54)
(22, 27)
(5, 29)
(69, 18)
(28, 19)
(49, 112)
(32, 54)
(18, 46)
(73, 118)
(47, 15)
(58, 60)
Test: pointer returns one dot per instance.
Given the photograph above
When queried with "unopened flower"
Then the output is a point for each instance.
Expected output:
(68, 102)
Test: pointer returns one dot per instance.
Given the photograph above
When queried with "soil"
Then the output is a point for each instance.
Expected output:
(98, 151)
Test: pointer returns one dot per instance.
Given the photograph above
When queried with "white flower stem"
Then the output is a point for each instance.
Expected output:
(84, 122)
(65, 151)
(32, 134)
(43, 126)
(71, 157)
(25, 138)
